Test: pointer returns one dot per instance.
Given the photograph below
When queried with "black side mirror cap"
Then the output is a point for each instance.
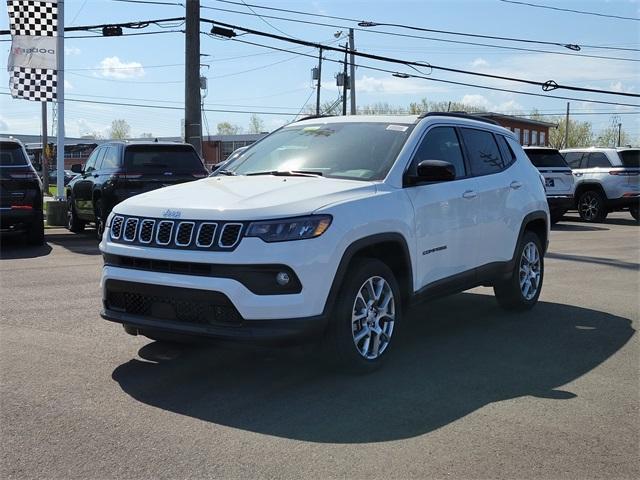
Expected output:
(76, 168)
(432, 171)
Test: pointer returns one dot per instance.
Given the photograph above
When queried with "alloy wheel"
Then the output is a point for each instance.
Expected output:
(373, 317)
(589, 206)
(530, 271)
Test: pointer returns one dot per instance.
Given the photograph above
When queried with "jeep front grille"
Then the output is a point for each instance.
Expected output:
(179, 234)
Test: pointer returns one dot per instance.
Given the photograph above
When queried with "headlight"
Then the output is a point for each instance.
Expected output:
(287, 229)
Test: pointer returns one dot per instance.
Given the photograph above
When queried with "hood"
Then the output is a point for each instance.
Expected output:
(244, 198)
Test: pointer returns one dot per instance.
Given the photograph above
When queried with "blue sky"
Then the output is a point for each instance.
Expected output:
(149, 69)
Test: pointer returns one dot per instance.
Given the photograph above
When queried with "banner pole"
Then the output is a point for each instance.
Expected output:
(60, 194)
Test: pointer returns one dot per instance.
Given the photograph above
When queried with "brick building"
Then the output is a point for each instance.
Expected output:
(529, 132)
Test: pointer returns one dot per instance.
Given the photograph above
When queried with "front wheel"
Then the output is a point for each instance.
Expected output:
(99, 216)
(591, 207)
(365, 317)
(74, 224)
(522, 289)
(634, 213)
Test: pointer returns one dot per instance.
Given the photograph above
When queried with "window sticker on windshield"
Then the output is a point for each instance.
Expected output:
(397, 128)
(311, 129)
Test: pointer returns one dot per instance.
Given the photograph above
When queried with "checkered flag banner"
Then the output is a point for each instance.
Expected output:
(32, 60)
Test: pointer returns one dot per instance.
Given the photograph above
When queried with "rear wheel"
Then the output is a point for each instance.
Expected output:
(634, 213)
(364, 318)
(99, 216)
(74, 224)
(591, 206)
(522, 289)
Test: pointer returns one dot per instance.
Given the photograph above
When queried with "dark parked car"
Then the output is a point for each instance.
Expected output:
(119, 170)
(20, 193)
(68, 176)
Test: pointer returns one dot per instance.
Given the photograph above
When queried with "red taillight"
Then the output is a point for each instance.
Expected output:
(21, 207)
(130, 176)
(624, 173)
(24, 176)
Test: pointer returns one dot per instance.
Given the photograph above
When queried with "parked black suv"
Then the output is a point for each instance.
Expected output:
(118, 170)
(20, 193)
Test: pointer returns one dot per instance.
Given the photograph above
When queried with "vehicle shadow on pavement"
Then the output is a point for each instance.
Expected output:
(610, 262)
(455, 356)
(84, 243)
(13, 248)
(572, 227)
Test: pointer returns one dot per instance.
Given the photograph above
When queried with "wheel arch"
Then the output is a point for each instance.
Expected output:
(586, 186)
(538, 223)
(390, 248)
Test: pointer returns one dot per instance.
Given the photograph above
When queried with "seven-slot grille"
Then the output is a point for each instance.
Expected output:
(183, 234)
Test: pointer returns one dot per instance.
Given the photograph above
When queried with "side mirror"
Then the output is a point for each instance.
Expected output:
(76, 168)
(433, 171)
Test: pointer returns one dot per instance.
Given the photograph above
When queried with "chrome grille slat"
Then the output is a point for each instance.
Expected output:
(116, 226)
(206, 234)
(146, 230)
(164, 232)
(230, 235)
(184, 234)
(130, 229)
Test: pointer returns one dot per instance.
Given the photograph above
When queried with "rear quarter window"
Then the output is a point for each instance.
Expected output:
(546, 158)
(11, 154)
(630, 158)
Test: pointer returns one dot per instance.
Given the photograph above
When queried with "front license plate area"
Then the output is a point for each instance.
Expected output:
(549, 182)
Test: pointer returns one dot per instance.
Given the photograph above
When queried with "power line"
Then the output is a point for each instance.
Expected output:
(546, 86)
(150, 2)
(126, 80)
(459, 42)
(134, 25)
(67, 37)
(483, 87)
(264, 20)
(582, 12)
(447, 32)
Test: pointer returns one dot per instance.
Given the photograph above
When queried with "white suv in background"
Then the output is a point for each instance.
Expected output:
(329, 229)
(607, 179)
(558, 179)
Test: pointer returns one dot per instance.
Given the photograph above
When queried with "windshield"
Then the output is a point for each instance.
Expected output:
(546, 158)
(358, 151)
(11, 155)
(630, 158)
(176, 158)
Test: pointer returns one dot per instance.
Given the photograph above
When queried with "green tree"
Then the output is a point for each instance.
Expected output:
(609, 136)
(256, 124)
(226, 128)
(120, 130)
(146, 135)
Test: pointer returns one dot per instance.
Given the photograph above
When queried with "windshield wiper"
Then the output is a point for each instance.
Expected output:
(288, 173)
(224, 172)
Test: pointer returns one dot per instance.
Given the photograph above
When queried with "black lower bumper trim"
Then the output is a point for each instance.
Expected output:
(561, 203)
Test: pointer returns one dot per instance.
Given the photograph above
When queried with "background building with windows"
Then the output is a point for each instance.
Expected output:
(529, 132)
(216, 148)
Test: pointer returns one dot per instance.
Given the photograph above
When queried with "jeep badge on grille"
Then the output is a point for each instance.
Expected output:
(172, 213)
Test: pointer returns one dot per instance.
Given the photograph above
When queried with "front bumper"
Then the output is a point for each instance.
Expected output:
(147, 308)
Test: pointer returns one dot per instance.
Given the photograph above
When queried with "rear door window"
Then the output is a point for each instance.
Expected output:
(12, 155)
(630, 158)
(598, 159)
(484, 155)
(162, 158)
(441, 143)
(574, 159)
(546, 158)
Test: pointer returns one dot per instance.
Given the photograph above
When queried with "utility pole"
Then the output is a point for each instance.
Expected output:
(44, 161)
(619, 132)
(352, 73)
(319, 81)
(192, 113)
(566, 129)
(60, 193)
(345, 80)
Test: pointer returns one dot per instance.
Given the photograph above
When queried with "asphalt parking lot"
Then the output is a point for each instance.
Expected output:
(469, 392)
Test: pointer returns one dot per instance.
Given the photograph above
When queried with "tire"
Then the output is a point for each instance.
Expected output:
(351, 339)
(634, 213)
(515, 292)
(35, 234)
(74, 224)
(591, 206)
(97, 211)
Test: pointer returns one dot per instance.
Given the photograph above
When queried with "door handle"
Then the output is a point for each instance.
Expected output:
(515, 185)
(469, 194)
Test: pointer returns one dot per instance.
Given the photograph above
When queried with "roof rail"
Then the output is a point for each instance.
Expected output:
(459, 115)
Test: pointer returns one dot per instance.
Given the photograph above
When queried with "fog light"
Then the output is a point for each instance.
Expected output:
(282, 278)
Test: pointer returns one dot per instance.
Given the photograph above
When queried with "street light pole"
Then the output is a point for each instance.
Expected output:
(319, 81)
(352, 73)
(192, 112)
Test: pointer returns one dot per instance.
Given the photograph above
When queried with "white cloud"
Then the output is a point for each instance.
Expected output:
(479, 62)
(476, 101)
(113, 67)
(507, 106)
(394, 85)
(72, 51)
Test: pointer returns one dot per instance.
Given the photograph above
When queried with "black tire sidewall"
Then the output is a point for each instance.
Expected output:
(338, 337)
(601, 215)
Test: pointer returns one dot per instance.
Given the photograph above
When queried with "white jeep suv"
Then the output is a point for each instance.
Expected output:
(330, 228)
